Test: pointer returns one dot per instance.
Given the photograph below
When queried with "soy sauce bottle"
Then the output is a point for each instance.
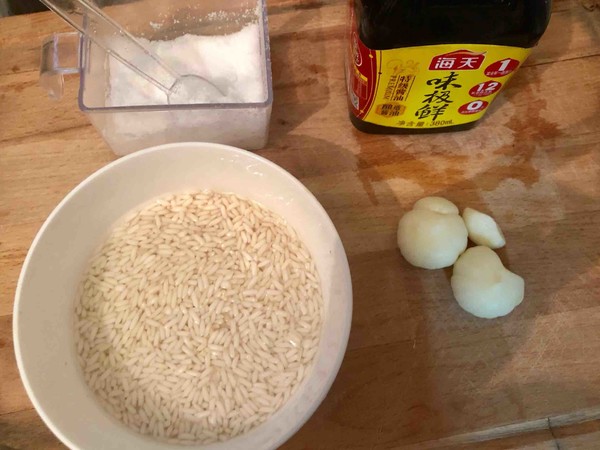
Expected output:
(435, 65)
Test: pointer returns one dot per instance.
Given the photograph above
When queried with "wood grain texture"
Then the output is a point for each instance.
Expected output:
(419, 372)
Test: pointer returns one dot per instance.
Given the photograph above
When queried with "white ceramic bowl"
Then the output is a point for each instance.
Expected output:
(51, 274)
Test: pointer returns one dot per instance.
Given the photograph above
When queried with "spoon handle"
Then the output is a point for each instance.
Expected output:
(89, 20)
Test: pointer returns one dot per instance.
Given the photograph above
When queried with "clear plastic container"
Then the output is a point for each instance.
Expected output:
(133, 127)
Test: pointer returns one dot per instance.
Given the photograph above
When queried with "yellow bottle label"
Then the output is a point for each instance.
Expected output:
(430, 86)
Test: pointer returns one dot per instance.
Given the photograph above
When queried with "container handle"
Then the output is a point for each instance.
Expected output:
(60, 56)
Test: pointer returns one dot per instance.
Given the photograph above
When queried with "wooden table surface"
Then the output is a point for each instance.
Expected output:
(419, 372)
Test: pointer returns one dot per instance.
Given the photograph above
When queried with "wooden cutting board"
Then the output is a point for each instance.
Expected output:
(418, 371)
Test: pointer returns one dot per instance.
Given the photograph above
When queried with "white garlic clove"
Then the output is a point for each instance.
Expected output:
(436, 204)
(482, 285)
(483, 229)
(429, 238)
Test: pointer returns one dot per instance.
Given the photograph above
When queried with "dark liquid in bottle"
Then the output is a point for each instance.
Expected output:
(385, 25)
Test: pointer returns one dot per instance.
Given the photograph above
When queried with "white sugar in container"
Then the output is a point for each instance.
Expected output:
(226, 42)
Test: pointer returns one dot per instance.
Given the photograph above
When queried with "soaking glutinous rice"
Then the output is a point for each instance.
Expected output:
(198, 317)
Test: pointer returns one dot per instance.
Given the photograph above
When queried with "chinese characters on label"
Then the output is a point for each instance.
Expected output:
(436, 102)
(458, 60)
(397, 90)
(390, 109)
(398, 87)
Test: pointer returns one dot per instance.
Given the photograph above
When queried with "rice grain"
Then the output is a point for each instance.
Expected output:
(199, 317)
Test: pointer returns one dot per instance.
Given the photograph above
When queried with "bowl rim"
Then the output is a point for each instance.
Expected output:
(344, 336)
